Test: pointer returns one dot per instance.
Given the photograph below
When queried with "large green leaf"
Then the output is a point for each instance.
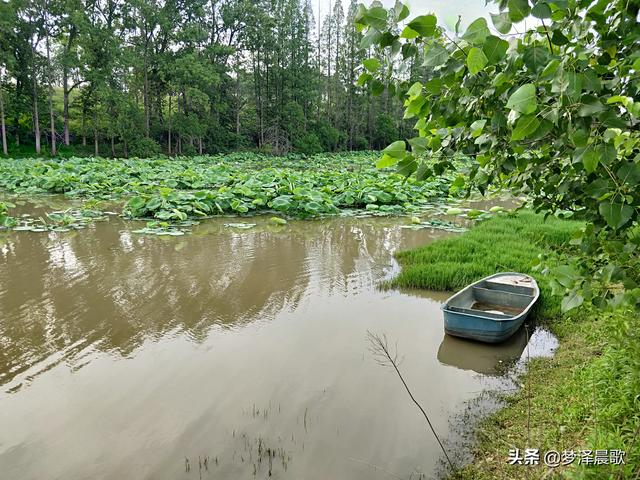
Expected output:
(523, 100)
(377, 87)
(590, 159)
(371, 64)
(425, 25)
(590, 106)
(402, 11)
(525, 127)
(566, 275)
(477, 127)
(387, 161)
(414, 107)
(415, 90)
(502, 22)
(372, 37)
(409, 33)
(550, 68)
(571, 301)
(435, 55)
(615, 214)
(629, 173)
(536, 58)
(396, 150)
(476, 60)
(376, 17)
(363, 79)
(558, 38)
(407, 166)
(433, 86)
(477, 31)
(495, 49)
(541, 10)
(518, 10)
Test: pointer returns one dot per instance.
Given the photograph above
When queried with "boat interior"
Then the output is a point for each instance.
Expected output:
(497, 299)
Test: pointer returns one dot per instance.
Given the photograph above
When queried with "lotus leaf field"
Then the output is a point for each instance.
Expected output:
(174, 190)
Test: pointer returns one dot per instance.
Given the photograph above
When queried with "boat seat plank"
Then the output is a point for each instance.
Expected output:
(475, 313)
(508, 287)
(490, 290)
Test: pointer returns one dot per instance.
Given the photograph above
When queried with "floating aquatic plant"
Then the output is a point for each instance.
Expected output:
(174, 190)
(6, 221)
(165, 228)
(242, 226)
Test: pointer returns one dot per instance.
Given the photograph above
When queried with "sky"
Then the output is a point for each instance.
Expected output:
(447, 11)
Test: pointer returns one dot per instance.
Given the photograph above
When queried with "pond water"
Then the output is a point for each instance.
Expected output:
(225, 354)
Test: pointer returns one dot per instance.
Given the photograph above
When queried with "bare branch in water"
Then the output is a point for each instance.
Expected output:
(382, 353)
(385, 356)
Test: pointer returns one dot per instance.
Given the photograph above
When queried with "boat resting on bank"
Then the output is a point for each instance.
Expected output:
(492, 309)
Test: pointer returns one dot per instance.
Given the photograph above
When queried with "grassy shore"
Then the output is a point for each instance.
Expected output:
(504, 243)
(586, 397)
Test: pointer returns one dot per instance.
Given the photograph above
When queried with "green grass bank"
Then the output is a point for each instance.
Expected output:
(587, 397)
(507, 242)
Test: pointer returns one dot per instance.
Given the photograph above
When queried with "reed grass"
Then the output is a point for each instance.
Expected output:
(504, 243)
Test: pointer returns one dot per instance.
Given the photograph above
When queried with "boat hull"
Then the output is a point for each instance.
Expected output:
(492, 309)
(480, 329)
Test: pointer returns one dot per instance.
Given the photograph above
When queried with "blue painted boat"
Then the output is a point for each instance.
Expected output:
(492, 309)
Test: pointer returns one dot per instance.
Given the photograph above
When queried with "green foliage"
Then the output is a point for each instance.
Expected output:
(560, 105)
(385, 131)
(476, 60)
(175, 190)
(6, 221)
(308, 144)
(143, 78)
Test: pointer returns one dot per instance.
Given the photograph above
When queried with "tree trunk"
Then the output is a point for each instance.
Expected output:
(200, 145)
(52, 128)
(238, 103)
(84, 124)
(4, 129)
(113, 146)
(65, 83)
(65, 103)
(179, 135)
(369, 129)
(36, 117)
(95, 133)
(16, 113)
(169, 120)
(261, 125)
(146, 96)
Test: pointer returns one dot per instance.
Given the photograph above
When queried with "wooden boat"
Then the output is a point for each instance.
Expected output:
(492, 309)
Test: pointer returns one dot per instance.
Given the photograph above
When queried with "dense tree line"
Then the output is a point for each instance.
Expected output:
(185, 76)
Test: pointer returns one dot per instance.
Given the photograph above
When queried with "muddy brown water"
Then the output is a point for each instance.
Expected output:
(225, 354)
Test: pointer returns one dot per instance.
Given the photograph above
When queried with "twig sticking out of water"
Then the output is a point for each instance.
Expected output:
(528, 386)
(305, 419)
(379, 347)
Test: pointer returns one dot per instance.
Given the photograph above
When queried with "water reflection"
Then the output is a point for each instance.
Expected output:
(469, 355)
(110, 289)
